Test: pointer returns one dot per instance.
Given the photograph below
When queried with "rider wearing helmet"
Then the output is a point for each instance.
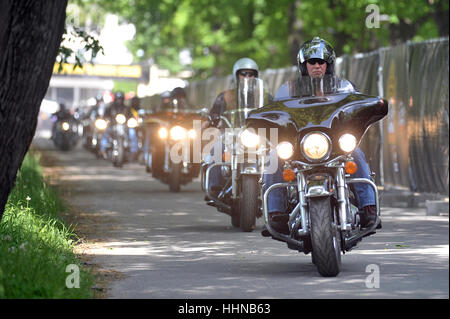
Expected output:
(165, 100)
(118, 107)
(242, 68)
(315, 59)
(179, 99)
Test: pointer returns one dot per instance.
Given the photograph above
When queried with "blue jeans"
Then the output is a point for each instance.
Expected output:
(216, 179)
(364, 193)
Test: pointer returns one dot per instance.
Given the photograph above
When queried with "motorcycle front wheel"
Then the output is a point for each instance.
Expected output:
(175, 178)
(325, 237)
(248, 202)
(118, 152)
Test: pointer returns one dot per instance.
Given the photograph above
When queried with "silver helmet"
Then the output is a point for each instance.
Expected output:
(245, 63)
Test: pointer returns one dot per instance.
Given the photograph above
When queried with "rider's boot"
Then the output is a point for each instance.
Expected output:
(279, 222)
(369, 216)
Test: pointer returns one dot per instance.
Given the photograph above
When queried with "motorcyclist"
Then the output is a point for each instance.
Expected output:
(165, 101)
(315, 59)
(119, 107)
(227, 100)
(152, 124)
(62, 114)
(178, 99)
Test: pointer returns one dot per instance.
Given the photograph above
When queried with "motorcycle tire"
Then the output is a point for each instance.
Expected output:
(148, 162)
(118, 153)
(236, 216)
(248, 205)
(325, 237)
(175, 178)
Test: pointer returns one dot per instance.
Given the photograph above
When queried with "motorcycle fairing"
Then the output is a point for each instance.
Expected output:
(333, 114)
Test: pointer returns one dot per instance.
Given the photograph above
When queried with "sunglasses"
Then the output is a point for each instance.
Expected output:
(314, 61)
(247, 73)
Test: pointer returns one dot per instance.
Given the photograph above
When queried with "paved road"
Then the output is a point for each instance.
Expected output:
(175, 246)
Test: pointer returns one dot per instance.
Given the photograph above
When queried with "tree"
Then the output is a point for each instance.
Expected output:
(218, 32)
(30, 36)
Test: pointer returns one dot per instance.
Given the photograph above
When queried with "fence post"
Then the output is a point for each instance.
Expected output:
(380, 123)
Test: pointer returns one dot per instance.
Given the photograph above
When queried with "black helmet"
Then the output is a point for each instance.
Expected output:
(317, 48)
(119, 95)
(245, 64)
(178, 93)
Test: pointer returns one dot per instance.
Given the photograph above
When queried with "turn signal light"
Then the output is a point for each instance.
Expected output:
(226, 157)
(351, 167)
(288, 175)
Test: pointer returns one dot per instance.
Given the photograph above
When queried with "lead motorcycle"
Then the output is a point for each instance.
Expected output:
(240, 195)
(319, 123)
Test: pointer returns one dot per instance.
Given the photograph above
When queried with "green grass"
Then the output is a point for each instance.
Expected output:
(35, 244)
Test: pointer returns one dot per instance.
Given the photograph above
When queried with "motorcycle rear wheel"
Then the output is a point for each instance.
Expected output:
(325, 237)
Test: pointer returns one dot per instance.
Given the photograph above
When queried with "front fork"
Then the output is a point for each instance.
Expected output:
(298, 218)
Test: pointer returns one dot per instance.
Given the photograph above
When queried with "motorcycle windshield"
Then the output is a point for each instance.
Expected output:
(329, 104)
(306, 86)
(250, 94)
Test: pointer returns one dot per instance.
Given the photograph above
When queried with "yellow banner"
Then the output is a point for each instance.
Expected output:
(103, 70)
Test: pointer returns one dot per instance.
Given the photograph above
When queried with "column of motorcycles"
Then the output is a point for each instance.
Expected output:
(312, 130)
(117, 148)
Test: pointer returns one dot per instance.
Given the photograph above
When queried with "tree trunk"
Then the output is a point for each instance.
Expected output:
(440, 16)
(295, 26)
(30, 35)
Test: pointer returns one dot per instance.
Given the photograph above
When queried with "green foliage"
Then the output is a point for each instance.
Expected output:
(218, 32)
(35, 245)
(125, 86)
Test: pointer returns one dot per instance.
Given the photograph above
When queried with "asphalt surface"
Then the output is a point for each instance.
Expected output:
(172, 245)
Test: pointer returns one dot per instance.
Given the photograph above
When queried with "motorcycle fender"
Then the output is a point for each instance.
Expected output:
(249, 169)
(317, 191)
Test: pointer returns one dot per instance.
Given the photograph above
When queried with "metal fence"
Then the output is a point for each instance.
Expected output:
(409, 148)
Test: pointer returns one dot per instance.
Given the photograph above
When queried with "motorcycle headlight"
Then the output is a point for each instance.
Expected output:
(347, 142)
(177, 133)
(120, 118)
(249, 139)
(191, 133)
(132, 122)
(100, 124)
(65, 126)
(315, 146)
(285, 150)
(162, 132)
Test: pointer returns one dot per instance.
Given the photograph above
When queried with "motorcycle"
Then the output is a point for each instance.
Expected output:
(173, 132)
(319, 123)
(100, 126)
(240, 195)
(65, 133)
(118, 149)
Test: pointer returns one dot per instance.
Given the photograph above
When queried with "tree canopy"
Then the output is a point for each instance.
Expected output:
(218, 32)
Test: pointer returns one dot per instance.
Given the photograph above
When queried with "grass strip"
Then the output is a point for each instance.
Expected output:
(36, 247)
